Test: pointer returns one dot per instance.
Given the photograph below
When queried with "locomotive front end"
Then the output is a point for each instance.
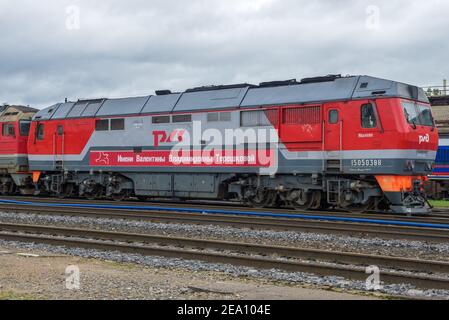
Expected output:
(418, 144)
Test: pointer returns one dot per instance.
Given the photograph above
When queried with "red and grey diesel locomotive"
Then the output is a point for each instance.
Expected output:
(355, 142)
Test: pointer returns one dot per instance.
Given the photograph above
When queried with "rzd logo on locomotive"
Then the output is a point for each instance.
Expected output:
(423, 139)
(163, 137)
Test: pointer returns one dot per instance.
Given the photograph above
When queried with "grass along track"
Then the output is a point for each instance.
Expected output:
(348, 265)
(261, 223)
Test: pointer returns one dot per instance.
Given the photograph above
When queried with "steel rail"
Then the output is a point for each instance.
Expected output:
(338, 228)
(330, 256)
(136, 241)
(233, 213)
(437, 218)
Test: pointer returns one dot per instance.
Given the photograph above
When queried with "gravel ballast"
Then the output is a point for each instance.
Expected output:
(390, 247)
(230, 270)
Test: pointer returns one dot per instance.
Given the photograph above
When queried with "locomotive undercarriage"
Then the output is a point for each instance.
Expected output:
(86, 185)
(11, 184)
(313, 193)
(7, 186)
(302, 192)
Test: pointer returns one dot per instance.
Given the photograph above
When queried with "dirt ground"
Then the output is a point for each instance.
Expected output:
(39, 275)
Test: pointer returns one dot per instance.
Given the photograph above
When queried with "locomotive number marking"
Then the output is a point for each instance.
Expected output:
(366, 163)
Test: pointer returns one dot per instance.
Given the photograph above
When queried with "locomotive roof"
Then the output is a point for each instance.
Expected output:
(311, 90)
(14, 113)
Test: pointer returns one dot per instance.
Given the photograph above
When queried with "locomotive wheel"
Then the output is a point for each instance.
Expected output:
(260, 198)
(303, 200)
(9, 189)
(120, 196)
(369, 206)
(95, 194)
(66, 191)
(316, 200)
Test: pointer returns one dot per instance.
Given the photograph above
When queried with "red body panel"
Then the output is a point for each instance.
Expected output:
(316, 133)
(77, 133)
(13, 145)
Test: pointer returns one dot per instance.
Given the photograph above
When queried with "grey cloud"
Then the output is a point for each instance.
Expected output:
(135, 47)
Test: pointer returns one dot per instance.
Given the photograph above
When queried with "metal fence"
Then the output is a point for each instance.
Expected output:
(436, 91)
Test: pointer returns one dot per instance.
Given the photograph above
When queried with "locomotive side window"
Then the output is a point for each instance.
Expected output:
(60, 130)
(161, 119)
(117, 124)
(182, 118)
(219, 117)
(213, 117)
(259, 118)
(333, 116)
(225, 116)
(40, 131)
(369, 119)
(102, 125)
(24, 128)
(8, 130)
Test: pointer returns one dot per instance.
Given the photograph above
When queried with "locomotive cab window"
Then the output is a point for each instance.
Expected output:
(60, 130)
(425, 115)
(117, 124)
(24, 128)
(418, 114)
(8, 130)
(40, 131)
(102, 125)
(333, 116)
(369, 119)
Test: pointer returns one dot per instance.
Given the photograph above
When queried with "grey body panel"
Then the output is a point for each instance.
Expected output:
(209, 100)
(125, 106)
(161, 104)
(92, 109)
(12, 163)
(305, 165)
(63, 110)
(47, 113)
(341, 89)
(77, 110)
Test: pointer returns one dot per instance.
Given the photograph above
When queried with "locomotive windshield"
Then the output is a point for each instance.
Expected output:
(425, 115)
(417, 114)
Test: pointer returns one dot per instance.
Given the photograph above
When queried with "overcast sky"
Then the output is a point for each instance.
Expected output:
(52, 49)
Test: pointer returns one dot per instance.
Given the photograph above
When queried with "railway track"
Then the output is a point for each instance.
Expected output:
(441, 216)
(319, 262)
(260, 223)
